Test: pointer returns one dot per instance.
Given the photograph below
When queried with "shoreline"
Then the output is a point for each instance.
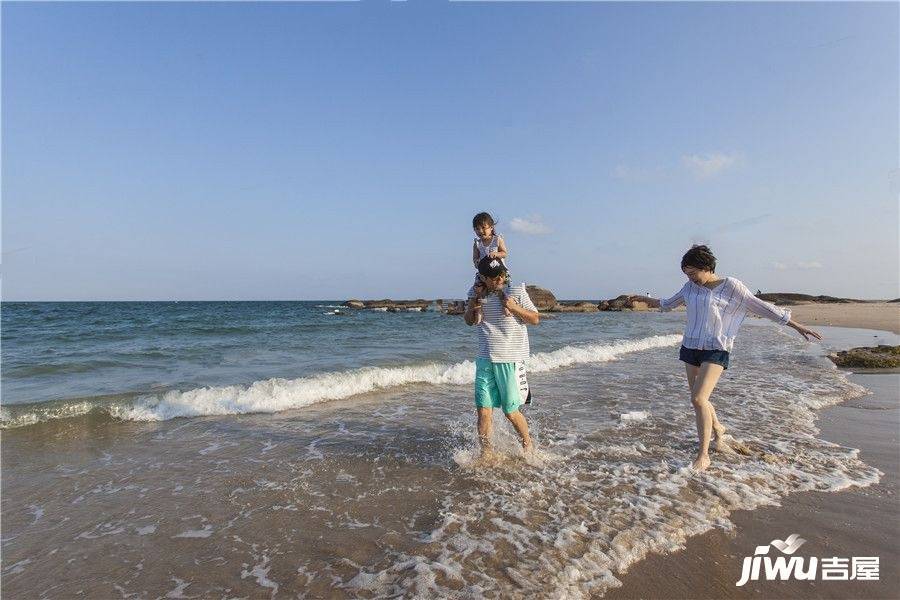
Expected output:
(852, 522)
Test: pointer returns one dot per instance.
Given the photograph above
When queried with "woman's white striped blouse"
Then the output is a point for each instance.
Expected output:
(715, 315)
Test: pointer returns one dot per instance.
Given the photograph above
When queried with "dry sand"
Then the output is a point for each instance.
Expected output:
(870, 315)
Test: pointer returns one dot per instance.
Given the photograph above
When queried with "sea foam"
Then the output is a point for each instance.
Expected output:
(278, 394)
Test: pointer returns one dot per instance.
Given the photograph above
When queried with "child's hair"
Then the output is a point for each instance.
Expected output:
(699, 257)
(483, 218)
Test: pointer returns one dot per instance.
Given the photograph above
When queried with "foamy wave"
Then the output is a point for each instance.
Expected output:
(580, 521)
(274, 395)
(634, 416)
(576, 355)
(11, 418)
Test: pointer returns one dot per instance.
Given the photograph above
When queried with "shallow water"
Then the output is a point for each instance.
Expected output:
(378, 493)
(160, 360)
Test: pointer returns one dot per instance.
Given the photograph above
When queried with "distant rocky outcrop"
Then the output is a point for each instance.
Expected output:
(389, 305)
(576, 306)
(788, 299)
(542, 298)
(629, 302)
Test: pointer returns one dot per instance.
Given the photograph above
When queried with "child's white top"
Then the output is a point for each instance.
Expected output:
(486, 249)
(715, 315)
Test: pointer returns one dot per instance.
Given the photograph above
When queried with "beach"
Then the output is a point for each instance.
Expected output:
(215, 450)
(884, 316)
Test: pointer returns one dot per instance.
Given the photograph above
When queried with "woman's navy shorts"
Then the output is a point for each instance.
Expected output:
(697, 357)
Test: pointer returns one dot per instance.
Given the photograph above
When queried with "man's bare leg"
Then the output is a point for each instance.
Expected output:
(518, 421)
(485, 430)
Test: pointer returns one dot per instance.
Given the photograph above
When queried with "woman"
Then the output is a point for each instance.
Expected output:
(716, 307)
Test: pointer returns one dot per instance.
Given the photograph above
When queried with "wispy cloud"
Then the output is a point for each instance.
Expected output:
(809, 265)
(800, 265)
(533, 225)
(700, 166)
(743, 223)
(627, 173)
(835, 42)
(706, 166)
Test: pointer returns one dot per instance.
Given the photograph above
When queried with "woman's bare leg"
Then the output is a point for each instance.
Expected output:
(704, 383)
(718, 430)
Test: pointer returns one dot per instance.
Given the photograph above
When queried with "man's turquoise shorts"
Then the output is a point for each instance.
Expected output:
(496, 385)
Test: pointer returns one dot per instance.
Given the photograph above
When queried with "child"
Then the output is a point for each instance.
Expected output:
(716, 307)
(488, 243)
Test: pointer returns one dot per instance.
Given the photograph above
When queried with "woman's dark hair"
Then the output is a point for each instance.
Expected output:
(483, 218)
(699, 257)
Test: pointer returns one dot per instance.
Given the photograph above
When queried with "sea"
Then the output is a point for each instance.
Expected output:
(305, 450)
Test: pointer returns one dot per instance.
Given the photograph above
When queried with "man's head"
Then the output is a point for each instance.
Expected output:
(492, 272)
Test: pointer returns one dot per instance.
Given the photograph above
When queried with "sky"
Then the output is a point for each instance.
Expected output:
(282, 151)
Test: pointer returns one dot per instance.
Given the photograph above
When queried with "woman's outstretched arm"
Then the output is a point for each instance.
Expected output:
(780, 315)
(666, 304)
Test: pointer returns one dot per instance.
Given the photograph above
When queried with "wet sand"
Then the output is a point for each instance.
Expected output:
(870, 315)
(854, 522)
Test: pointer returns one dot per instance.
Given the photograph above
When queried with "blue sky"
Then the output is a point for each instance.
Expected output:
(334, 150)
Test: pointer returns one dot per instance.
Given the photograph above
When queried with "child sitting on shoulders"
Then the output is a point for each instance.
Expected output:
(488, 243)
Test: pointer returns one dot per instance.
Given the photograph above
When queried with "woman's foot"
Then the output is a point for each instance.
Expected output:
(721, 441)
(702, 463)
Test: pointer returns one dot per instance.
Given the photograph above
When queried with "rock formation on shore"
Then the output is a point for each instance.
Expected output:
(629, 302)
(788, 299)
(546, 302)
(542, 298)
(875, 357)
(576, 306)
(390, 305)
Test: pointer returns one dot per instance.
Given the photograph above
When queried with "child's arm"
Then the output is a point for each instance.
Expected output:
(475, 254)
(501, 248)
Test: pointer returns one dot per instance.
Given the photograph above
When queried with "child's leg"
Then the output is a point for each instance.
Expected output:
(506, 282)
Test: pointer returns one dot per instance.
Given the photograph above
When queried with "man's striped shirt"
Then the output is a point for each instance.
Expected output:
(502, 338)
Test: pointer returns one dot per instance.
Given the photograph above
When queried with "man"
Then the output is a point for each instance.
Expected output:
(502, 348)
